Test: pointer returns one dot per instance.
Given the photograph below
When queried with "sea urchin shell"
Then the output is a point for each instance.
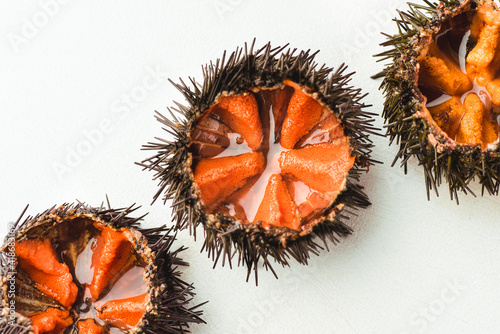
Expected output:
(77, 269)
(267, 154)
(443, 92)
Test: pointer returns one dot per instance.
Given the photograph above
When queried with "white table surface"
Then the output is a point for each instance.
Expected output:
(412, 266)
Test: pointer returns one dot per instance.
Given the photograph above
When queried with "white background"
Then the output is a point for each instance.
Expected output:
(412, 266)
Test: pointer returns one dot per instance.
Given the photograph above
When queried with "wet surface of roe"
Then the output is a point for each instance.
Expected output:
(460, 76)
(275, 156)
(82, 277)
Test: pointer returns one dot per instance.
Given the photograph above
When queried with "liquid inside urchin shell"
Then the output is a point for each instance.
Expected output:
(443, 94)
(77, 269)
(266, 156)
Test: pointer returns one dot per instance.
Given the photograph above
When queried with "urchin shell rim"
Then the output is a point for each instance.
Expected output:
(170, 312)
(403, 103)
(243, 71)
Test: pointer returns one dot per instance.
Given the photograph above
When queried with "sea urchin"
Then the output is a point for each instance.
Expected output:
(267, 155)
(443, 92)
(77, 269)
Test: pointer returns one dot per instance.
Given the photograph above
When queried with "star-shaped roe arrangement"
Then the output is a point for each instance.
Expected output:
(92, 282)
(275, 156)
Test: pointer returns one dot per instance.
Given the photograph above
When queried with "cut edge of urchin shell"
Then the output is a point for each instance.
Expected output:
(240, 71)
(170, 312)
(458, 166)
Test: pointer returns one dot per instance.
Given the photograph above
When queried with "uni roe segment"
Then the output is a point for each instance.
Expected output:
(277, 156)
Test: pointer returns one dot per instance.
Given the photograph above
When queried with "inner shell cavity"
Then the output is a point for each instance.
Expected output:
(81, 274)
(459, 76)
(272, 155)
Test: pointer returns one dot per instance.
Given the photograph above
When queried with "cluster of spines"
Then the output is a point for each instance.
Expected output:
(458, 166)
(242, 70)
(173, 296)
(14, 328)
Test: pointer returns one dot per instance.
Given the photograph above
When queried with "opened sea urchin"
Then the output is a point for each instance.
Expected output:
(443, 92)
(77, 269)
(267, 154)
